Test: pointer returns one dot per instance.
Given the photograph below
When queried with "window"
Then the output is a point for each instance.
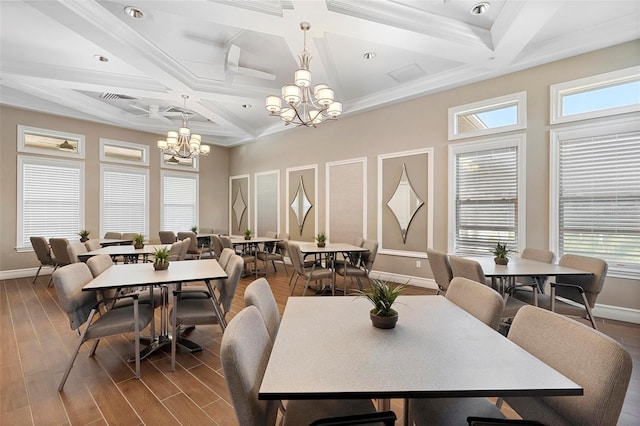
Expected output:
(50, 142)
(595, 193)
(125, 200)
(186, 164)
(179, 201)
(50, 199)
(486, 195)
(124, 152)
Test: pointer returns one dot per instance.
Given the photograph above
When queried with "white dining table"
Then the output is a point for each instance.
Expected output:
(326, 348)
(254, 243)
(128, 251)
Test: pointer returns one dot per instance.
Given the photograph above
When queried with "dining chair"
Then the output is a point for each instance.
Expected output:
(59, 249)
(477, 299)
(129, 236)
(362, 266)
(43, 253)
(599, 364)
(167, 237)
(259, 294)
(352, 257)
(75, 249)
(217, 245)
(244, 352)
(193, 251)
(579, 289)
(184, 248)
(539, 255)
(175, 251)
(314, 273)
(92, 245)
(112, 235)
(225, 255)
(82, 307)
(97, 265)
(441, 269)
(272, 254)
(190, 308)
(226, 242)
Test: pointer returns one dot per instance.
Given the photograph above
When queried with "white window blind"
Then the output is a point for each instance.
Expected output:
(486, 200)
(179, 201)
(49, 199)
(124, 200)
(599, 197)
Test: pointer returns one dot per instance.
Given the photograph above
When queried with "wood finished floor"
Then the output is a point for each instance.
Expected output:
(36, 342)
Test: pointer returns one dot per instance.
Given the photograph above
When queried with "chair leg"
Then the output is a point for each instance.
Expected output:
(51, 276)
(589, 312)
(137, 331)
(174, 335)
(94, 347)
(72, 360)
(37, 273)
(293, 287)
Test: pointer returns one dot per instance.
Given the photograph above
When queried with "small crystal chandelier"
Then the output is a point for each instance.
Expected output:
(302, 106)
(183, 144)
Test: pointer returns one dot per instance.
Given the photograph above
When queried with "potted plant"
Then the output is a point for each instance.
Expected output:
(382, 295)
(247, 234)
(500, 252)
(138, 241)
(84, 235)
(194, 229)
(321, 238)
(161, 258)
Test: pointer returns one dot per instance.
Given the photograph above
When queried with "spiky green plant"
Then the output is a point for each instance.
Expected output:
(161, 255)
(138, 239)
(501, 251)
(382, 295)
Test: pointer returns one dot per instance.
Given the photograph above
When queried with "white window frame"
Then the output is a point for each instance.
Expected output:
(620, 125)
(194, 167)
(122, 144)
(587, 84)
(518, 141)
(183, 175)
(256, 184)
(518, 99)
(79, 139)
(22, 160)
(131, 170)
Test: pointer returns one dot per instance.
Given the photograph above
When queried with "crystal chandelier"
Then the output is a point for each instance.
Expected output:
(302, 106)
(183, 144)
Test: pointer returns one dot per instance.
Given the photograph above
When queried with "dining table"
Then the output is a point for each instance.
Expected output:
(132, 275)
(327, 348)
(252, 247)
(104, 242)
(129, 252)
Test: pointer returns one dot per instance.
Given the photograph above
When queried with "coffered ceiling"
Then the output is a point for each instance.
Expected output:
(227, 56)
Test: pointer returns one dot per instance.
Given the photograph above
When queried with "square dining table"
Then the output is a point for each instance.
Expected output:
(326, 348)
(252, 245)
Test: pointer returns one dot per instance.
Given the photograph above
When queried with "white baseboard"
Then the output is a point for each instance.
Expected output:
(404, 279)
(22, 273)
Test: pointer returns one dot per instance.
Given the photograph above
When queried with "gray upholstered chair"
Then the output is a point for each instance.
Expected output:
(244, 352)
(479, 300)
(441, 269)
(129, 236)
(591, 359)
(225, 255)
(259, 294)
(272, 254)
(43, 253)
(112, 235)
(193, 251)
(184, 249)
(82, 307)
(226, 242)
(581, 289)
(539, 255)
(192, 309)
(92, 245)
(97, 265)
(362, 266)
(75, 249)
(216, 244)
(167, 237)
(59, 249)
(314, 273)
(176, 251)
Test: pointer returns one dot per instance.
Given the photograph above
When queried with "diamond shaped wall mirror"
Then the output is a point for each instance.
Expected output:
(404, 203)
(301, 205)
(239, 206)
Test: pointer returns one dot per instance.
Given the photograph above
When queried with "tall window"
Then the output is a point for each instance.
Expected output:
(486, 198)
(596, 193)
(50, 199)
(125, 200)
(179, 201)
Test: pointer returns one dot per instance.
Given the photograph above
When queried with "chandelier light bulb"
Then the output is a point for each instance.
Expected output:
(287, 115)
(291, 94)
(334, 109)
(302, 78)
(182, 143)
(273, 104)
(324, 96)
(163, 144)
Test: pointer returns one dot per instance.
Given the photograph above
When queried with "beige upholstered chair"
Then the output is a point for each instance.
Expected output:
(129, 236)
(362, 266)
(82, 306)
(225, 255)
(244, 351)
(97, 265)
(167, 237)
(259, 294)
(272, 254)
(226, 242)
(193, 251)
(314, 273)
(113, 235)
(59, 249)
(479, 300)
(74, 250)
(216, 244)
(184, 249)
(582, 289)
(43, 253)
(441, 269)
(591, 359)
(92, 245)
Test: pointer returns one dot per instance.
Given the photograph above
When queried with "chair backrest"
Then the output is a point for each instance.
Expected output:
(193, 241)
(591, 359)
(226, 242)
(77, 304)
(466, 268)
(296, 257)
(42, 250)
(167, 237)
(440, 267)
(59, 248)
(281, 246)
(217, 245)
(129, 236)
(370, 256)
(113, 235)
(259, 294)
(539, 255)
(244, 352)
(74, 250)
(358, 241)
(186, 245)
(98, 264)
(92, 245)
(176, 250)
(270, 247)
(591, 284)
(229, 285)
(225, 255)
(478, 299)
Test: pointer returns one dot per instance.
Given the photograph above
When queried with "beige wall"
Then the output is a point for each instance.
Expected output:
(422, 123)
(214, 173)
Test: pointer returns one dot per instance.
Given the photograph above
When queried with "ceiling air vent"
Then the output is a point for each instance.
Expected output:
(116, 97)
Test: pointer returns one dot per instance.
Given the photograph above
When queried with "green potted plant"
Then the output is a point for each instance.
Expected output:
(247, 234)
(84, 235)
(138, 241)
(161, 258)
(321, 238)
(500, 252)
(382, 296)
(194, 229)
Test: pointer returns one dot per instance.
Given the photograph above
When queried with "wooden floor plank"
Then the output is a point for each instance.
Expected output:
(145, 404)
(13, 392)
(43, 395)
(187, 382)
(222, 412)
(186, 411)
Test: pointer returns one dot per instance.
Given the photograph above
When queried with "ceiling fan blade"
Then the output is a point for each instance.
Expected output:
(232, 59)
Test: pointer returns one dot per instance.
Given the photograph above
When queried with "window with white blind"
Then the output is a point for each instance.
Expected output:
(595, 193)
(50, 199)
(179, 201)
(486, 195)
(125, 200)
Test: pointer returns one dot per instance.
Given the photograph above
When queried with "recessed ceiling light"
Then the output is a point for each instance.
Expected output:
(134, 12)
(369, 55)
(480, 8)
(101, 58)
(246, 106)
